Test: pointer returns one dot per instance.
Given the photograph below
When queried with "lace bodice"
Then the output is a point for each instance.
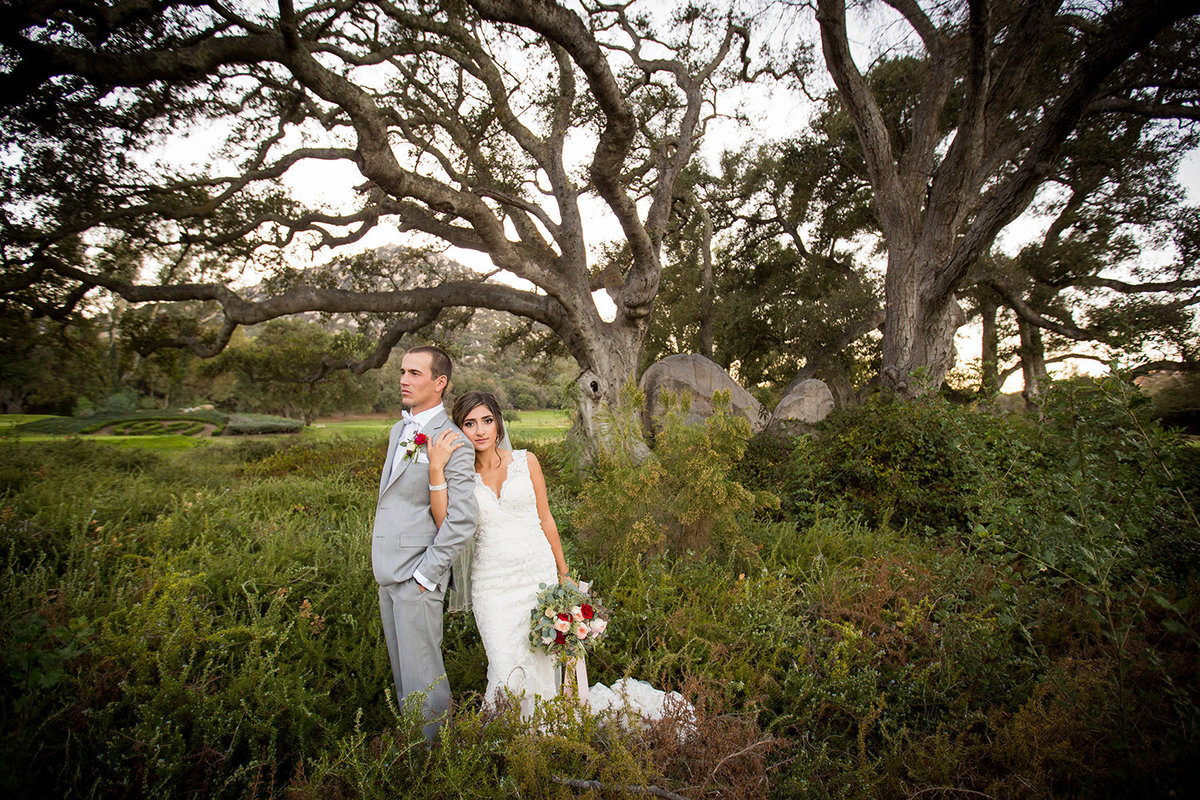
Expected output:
(515, 505)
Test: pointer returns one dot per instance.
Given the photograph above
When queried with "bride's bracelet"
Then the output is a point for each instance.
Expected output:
(436, 487)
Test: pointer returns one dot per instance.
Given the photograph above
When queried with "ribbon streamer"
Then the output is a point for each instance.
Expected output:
(581, 690)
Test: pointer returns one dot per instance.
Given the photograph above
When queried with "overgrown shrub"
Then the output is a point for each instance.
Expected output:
(124, 401)
(926, 464)
(202, 625)
(1059, 632)
(359, 458)
(1089, 486)
(682, 498)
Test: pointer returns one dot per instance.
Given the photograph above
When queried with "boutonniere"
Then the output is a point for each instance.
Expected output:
(412, 447)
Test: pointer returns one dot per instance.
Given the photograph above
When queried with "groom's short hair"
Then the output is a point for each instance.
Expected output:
(439, 362)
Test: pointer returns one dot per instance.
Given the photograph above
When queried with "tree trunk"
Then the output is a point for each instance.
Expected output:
(608, 359)
(1033, 360)
(707, 346)
(918, 331)
(990, 356)
(942, 196)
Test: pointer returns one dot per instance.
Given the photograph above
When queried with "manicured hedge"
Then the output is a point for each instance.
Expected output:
(250, 424)
(145, 427)
(66, 426)
(158, 422)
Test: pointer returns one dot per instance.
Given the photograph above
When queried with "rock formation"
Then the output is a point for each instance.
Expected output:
(698, 379)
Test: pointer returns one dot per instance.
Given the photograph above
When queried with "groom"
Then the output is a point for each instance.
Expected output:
(410, 556)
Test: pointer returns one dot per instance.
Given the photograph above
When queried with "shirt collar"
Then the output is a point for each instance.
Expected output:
(425, 417)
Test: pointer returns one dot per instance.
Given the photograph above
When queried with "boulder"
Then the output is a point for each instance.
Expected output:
(698, 379)
(804, 403)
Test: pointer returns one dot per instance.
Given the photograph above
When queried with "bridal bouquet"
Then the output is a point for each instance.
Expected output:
(567, 621)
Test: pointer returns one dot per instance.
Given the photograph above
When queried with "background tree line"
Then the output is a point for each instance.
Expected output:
(279, 367)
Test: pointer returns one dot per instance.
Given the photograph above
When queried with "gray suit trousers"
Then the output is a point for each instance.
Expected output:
(412, 628)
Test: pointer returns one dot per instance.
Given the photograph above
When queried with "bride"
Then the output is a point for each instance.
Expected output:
(516, 548)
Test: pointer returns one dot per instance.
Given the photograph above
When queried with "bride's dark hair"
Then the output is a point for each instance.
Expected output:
(468, 402)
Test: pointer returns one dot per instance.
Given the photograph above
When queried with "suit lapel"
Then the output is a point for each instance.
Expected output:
(431, 428)
(390, 473)
(385, 474)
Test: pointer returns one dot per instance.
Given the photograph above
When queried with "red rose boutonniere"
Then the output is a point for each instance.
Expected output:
(412, 447)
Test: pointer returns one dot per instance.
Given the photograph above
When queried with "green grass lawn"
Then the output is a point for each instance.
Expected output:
(541, 425)
(538, 425)
(10, 421)
(325, 430)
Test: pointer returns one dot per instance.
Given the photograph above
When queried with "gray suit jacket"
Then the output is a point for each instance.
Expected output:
(405, 538)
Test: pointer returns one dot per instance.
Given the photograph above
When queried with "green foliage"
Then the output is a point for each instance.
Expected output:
(787, 288)
(682, 498)
(926, 464)
(276, 370)
(118, 403)
(1024, 614)
(360, 459)
(47, 365)
(1092, 479)
(523, 364)
(207, 626)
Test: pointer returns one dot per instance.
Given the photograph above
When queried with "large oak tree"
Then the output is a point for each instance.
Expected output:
(1016, 79)
(489, 125)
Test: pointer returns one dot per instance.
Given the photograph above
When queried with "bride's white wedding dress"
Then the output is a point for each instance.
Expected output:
(511, 558)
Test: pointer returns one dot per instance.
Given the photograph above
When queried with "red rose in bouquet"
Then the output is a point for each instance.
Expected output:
(567, 621)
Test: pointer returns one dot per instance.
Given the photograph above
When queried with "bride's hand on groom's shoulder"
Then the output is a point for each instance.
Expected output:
(445, 444)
